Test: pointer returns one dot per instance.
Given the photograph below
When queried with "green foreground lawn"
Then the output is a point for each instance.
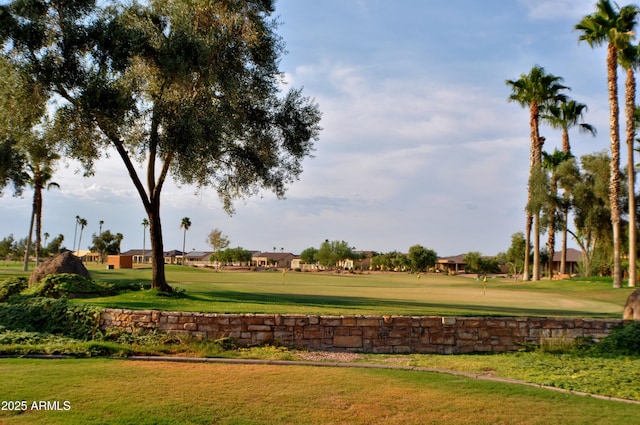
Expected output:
(378, 294)
(101, 391)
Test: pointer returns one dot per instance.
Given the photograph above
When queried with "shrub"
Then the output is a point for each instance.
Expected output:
(624, 340)
(48, 315)
(65, 284)
(13, 285)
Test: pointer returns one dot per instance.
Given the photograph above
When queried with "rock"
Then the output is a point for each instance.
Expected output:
(62, 263)
(632, 308)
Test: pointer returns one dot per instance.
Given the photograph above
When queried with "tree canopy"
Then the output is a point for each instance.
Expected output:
(191, 89)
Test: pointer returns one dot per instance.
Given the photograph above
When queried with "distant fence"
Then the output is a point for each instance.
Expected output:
(370, 334)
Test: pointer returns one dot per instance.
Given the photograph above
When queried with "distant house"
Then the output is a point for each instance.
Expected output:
(172, 257)
(273, 259)
(451, 265)
(87, 256)
(139, 256)
(198, 258)
(574, 257)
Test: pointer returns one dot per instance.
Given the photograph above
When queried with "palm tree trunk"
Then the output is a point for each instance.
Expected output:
(26, 254)
(38, 215)
(536, 247)
(614, 180)
(563, 258)
(630, 102)
(527, 248)
(551, 241)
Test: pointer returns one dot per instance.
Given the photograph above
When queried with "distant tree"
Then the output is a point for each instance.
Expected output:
(392, 260)
(192, 88)
(514, 257)
(476, 263)
(82, 223)
(185, 224)
(55, 246)
(422, 258)
(145, 224)
(308, 256)
(331, 253)
(218, 242)
(231, 255)
(6, 246)
(106, 243)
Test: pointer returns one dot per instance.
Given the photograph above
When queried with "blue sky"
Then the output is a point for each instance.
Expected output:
(419, 145)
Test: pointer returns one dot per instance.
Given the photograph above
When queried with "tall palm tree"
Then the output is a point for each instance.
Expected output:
(40, 157)
(565, 116)
(613, 26)
(630, 60)
(145, 224)
(184, 224)
(535, 91)
(83, 223)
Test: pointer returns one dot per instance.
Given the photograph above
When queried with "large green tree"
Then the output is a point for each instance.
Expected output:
(535, 91)
(421, 258)
(591, 209)
(613, 26)
(187, 88)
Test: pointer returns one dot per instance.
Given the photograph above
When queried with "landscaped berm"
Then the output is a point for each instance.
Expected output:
(275, 326)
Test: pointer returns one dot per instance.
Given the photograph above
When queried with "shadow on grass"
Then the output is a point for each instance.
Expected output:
(255, 302)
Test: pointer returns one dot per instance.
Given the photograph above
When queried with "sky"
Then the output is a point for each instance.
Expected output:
(419, 144)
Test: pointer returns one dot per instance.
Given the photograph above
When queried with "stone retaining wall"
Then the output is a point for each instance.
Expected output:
(370, 334)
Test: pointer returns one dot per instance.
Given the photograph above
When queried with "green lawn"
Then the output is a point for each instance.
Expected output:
(101, 391)
(377, 294)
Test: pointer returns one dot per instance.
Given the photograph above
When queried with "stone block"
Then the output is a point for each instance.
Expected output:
(259, 328)
(347, 341)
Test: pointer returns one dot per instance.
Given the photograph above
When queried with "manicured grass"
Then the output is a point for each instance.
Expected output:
(377, 294)
(126, 392)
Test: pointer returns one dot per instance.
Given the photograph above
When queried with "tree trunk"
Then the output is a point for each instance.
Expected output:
(38, 216)
(26, 254)
(527, 248)
(536, 247)
(614, 182)
(158, 280)
(630, 102)
(563, 258)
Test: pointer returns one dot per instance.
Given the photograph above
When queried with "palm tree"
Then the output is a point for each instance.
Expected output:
(184, 224)
(630, 60)
(40, 157)
(83, 223)
(614, 26)
(75, 232)
(564, 116)
(535, 91)
(551, 162)
(145, 224)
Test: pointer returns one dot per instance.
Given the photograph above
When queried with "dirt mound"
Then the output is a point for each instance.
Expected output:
(63, 263)
(632, 308)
